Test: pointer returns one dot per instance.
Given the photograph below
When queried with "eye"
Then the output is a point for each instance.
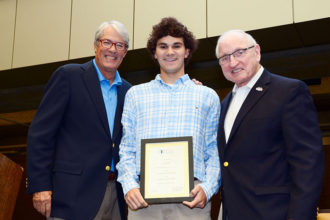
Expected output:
(239, 53)
(225, 58)
(177, 46)
(162, 46)
(120, 46)
(106, 43)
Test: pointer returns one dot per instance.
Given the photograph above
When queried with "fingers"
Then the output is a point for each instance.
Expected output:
(135, 200)
(48, 207)
(196, 203)
(199, 200)
(197, 82)
(191, 204)
(194, 191)
(42, 202)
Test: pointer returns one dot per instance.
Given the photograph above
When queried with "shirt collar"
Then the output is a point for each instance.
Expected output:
(252, 81)
(182, 80)
(116, 81)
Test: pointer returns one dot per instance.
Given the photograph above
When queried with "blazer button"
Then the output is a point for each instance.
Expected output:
(225, 164)
(107, 168)
(113, 145)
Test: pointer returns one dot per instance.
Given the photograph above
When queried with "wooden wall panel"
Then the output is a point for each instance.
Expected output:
(10, 181)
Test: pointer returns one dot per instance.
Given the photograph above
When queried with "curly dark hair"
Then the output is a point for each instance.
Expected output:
(170, 26)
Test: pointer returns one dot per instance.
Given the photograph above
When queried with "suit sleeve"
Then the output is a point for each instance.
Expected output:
(43, 130)
(304, 152)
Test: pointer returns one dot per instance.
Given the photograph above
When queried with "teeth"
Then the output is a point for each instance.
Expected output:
(236, 70)
(110, 57)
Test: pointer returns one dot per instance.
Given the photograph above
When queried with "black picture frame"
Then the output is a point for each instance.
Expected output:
(186, 141)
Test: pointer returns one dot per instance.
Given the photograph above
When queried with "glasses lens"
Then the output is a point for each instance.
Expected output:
(239, 53)
(224, 59)
(120, 46)
(106, 43)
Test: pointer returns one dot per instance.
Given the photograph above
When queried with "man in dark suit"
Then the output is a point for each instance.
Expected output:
(74, 137)
(269, 139)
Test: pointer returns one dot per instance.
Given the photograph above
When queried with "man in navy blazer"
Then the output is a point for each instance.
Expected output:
(269, 139)
(74, 137)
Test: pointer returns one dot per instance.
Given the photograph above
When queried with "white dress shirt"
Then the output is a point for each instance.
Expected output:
(239, 95)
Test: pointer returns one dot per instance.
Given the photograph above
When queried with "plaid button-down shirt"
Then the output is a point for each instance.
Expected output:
(157, 110)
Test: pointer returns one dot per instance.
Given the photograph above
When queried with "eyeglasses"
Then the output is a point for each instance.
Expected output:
(108, 44)
(237, 54)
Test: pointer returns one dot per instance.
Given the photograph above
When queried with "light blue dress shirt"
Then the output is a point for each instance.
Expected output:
(109, 93)
(157, 110)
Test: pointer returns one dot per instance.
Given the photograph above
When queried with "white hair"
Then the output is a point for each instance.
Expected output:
(119, 27)
(248, 36)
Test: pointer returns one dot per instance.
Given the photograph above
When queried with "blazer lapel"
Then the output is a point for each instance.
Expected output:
(221, 131)
(251, 100)
(119, 110)
(224, 107)
(92, 83)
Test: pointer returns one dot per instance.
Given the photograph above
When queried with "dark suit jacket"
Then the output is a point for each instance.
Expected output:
(70, 145)
(274, 153)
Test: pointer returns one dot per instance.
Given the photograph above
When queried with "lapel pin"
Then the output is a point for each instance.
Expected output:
(259, 89)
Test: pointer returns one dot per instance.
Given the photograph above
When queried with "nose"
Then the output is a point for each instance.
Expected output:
(113, 47)
(232, 61)
(170, 51)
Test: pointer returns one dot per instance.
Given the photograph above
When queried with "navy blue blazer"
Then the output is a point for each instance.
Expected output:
(274, 153)
(70, 145)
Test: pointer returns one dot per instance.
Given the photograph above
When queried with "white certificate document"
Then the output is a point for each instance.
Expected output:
(167, 169)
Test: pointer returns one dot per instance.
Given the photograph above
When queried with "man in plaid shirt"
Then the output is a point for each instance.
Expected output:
(171, 105)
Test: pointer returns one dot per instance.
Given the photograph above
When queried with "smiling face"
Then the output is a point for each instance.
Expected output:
(170, 54)
(239, 70)
(108, 60)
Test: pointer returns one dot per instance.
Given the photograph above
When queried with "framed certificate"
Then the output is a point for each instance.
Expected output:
(167, 174)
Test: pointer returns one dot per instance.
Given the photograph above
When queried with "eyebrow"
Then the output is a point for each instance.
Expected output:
(226, 54)
(113, 41)
(175, 43)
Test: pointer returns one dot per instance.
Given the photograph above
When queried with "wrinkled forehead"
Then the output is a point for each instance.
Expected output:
(112, 34)
(231, 42)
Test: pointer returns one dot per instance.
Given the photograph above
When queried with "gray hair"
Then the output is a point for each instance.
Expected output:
(248, 36)
(119, 27)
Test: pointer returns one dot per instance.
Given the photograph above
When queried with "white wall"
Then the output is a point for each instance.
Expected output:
(7, 27)
(224, 15)
(87, 15)
(42, 31)
(305, 10)
(191, 13)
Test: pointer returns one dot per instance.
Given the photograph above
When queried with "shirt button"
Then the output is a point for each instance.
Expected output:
(225, 164)
(107, 168)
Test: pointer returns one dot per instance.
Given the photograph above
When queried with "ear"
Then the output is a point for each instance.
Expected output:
(187, 52)
(95, 47)
(155, 56)
(258, 52)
